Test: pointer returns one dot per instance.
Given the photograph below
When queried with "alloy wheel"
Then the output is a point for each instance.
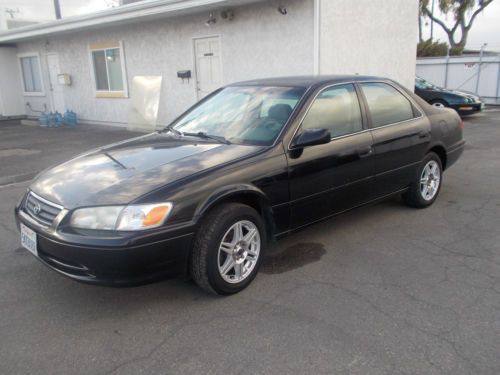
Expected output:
(239, 251)
(430, 180)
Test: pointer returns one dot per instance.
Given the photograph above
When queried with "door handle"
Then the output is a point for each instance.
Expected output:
(365, 151)
(423, 134)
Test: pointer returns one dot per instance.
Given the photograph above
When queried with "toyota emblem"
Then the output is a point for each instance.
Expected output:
(37, 209)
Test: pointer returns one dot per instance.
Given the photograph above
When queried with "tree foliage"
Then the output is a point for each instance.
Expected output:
(464, 13)
(428, 48)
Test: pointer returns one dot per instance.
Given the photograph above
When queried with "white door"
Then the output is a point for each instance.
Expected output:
(208, 65)
(56, 89)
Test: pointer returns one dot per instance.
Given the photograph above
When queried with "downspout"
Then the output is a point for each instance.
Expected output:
(497, 99)
(317, 14)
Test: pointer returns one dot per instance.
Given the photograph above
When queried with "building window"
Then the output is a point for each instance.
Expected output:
(109, 70)
(31, 74)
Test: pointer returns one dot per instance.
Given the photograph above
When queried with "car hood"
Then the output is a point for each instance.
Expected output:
(463, 94)
(122, 172)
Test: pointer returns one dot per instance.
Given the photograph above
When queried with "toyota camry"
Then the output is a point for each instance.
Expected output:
(249, 164)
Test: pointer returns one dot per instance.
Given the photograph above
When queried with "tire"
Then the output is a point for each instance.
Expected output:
(439, 103)
(417, 196)
(210, 262)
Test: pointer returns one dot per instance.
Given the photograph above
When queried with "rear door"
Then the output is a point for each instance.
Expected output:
(401, 136)
(333, 177)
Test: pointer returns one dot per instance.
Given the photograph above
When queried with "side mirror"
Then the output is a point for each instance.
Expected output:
(312, 137)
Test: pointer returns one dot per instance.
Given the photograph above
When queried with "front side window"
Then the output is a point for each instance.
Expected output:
(245, 115)
(108, 69)
(386, 104)
(31, 72)
(337, 110)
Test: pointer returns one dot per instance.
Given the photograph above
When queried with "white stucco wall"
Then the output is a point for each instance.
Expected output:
(11, 103)
(259, 42)
(372, 37)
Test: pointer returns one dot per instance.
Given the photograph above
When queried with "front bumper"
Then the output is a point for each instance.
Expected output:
(467, 109)
(131, 259)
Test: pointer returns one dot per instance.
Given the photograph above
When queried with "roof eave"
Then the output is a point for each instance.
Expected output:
(123, 14)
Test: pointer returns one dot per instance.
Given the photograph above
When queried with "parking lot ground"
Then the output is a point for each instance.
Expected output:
(382, 289)
(26, 150)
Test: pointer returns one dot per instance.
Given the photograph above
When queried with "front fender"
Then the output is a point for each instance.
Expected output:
(227, 192)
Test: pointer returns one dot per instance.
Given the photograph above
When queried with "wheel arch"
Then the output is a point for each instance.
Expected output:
(440, 151)
(247, 194)
(439, 99)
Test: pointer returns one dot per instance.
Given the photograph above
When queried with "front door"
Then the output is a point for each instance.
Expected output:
(208, 65)
(330, 178)
(56, 89)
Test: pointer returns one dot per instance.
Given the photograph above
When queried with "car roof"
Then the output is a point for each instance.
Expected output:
(307, 81)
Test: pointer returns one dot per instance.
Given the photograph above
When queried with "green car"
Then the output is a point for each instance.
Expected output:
(465, 103)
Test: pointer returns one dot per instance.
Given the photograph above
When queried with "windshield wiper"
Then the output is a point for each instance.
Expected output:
(204, 135)
(171, 129)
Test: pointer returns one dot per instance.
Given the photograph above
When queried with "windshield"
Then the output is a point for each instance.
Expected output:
(245, 115)
(423, 84)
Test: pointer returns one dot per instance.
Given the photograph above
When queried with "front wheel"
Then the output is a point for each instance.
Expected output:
(228, 249)
(439, 103)
(425, 189)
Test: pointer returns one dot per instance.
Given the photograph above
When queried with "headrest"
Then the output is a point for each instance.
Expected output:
(280, 112)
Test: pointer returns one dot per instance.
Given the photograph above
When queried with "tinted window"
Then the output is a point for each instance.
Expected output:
(336, 109)
(386, 104)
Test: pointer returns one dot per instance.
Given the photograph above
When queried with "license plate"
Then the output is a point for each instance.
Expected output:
(28, 239)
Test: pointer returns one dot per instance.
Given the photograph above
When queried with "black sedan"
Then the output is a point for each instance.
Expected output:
(249, 164)
(465, 103)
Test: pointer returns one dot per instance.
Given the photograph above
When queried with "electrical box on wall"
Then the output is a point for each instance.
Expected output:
(64, 79)
(184, 74)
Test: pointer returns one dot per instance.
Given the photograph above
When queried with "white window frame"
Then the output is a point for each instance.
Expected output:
(42, 86)
(103, 47)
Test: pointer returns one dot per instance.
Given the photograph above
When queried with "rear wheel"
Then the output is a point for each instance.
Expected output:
(425, 189)
(228, 249)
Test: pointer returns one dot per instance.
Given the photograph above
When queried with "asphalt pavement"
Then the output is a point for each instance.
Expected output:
(383, 289)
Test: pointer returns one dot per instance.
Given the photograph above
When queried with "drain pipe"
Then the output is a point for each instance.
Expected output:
(317, 34)
(28, 104)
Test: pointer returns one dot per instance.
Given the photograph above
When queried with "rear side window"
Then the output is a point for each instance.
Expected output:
(386, 104)
(337, 110)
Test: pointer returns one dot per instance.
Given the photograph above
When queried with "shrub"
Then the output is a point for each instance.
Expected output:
(429, 48)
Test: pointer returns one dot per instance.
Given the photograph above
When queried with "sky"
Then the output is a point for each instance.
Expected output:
(486, 27)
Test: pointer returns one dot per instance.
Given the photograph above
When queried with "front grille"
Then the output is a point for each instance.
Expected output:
(40, 209)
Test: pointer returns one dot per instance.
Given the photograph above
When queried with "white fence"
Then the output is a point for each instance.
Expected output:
(469, 73)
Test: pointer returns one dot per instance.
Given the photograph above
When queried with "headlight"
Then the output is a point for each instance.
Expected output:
(133, 217)
(138, 217)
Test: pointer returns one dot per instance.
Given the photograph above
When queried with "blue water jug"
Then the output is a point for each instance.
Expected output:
(44, 119)
(51, 120)
(70, 118)
(58, 119)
